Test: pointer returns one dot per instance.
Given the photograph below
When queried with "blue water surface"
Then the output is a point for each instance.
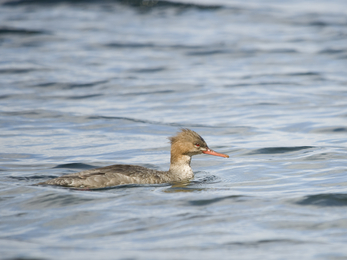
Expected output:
(88, 84)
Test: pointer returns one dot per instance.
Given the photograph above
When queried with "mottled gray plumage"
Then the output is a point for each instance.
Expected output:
(184, 145)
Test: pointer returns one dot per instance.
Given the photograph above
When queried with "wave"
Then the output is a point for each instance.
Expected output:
(331, 130)
(71, 85)
(276, 150)
(81, 166)
(12, 30)
(324, 200)
(214, 200)
(133, 3)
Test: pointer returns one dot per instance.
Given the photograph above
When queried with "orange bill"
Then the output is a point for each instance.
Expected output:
(211, 152)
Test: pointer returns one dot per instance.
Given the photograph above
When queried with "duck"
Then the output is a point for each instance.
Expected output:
(184, 145)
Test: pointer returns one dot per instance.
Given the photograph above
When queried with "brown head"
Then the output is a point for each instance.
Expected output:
(188, 142)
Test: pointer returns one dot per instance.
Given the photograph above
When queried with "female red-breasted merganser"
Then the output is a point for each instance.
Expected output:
(183, 146)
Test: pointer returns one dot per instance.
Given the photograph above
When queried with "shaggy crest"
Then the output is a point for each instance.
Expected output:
(187, 135)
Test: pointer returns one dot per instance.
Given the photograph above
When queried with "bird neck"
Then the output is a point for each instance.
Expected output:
(180, 163)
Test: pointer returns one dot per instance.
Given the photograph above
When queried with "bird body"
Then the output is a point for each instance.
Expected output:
(183, 146)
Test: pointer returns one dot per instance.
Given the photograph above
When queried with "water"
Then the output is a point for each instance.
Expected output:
(88, 84)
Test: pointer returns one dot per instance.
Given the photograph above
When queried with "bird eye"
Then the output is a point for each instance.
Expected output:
(197, 145)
